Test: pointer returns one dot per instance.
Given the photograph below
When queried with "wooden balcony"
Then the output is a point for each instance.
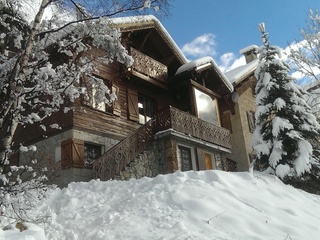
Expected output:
(180, 121)
(147, 67)
(116, 158)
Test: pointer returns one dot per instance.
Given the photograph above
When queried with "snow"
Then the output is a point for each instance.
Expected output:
(248, 49)
(204, 62)
(29, 9)
(127, 22)
(184, 205)
(279, 124)
(238, 74)
(282, 170)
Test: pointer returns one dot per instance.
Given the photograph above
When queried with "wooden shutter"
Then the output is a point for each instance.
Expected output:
(116, 104)
(251, 120)
(226, 120)
(201, 159)
(66, 155)
(72, 153)
(77, 153)
(133, 110)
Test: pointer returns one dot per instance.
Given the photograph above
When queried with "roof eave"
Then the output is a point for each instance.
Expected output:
(149, 21)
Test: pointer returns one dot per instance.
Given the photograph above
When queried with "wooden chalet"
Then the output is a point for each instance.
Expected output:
(166, 117)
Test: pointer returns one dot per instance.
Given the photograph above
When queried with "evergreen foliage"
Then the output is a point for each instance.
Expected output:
(285, 127)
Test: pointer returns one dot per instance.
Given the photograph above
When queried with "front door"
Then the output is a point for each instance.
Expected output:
(208, 161)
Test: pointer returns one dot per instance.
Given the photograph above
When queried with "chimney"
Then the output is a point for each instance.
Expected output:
(250, 53)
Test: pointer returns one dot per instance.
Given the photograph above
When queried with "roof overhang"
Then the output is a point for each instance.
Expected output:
(237, 75)
(202, 64)
(132, 23)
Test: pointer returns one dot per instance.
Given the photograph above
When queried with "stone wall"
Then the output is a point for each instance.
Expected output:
(241, 135)
(150, 163)
(49, 153)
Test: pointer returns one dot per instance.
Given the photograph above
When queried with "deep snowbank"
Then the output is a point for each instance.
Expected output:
(189, 205)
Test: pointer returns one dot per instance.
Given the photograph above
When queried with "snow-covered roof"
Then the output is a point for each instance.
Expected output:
(238, 74)
(248, 49)
(148, 21)
(204, 63)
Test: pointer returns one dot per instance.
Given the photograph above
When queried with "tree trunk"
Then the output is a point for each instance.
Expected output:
(17, 83)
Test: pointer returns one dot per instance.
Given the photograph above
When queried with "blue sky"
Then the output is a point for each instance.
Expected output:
(223, 27)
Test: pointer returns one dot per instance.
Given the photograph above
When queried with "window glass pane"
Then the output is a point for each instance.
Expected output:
(97, 94)
(91, 153)
(185, 156)
(206, 106)
(146, 108)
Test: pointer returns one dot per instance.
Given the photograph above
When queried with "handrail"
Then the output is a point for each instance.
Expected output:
(117, 157)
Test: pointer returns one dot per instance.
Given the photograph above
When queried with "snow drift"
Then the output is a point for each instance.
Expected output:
(184, 205)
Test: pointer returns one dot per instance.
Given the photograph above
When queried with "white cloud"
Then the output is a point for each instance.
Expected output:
(206, 45)
(230, 61)
(201, 46)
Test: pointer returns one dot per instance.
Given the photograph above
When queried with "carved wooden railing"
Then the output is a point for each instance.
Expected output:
(183, 122)
(148, 66)
(116, 158)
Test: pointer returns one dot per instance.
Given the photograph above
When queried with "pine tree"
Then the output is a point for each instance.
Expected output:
(285, 126)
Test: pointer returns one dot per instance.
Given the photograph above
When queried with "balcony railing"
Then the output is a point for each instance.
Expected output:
(183, 122)
(116, 158)
(148, 66)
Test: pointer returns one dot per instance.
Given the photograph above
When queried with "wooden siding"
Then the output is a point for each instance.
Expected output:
(32, 133)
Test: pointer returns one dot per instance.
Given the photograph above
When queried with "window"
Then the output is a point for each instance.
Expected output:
(102, 95)
(206, 107)
(140, 107)
(251, 120)
(185, 158)
(77, 153)
(146, 108)
(91, 153)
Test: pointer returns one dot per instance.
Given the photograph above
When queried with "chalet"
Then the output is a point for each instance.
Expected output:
(167, 115)
(240, 118)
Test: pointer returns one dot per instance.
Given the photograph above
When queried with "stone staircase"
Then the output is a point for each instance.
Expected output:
(148, 163)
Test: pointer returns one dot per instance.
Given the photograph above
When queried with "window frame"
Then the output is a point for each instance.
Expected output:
(214, 101)
(194, 163)
(89, 100)
(147, 101)
(86, 144)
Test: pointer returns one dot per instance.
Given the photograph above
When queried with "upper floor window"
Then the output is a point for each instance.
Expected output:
(207, 108)
(146, 108)
(102, 95)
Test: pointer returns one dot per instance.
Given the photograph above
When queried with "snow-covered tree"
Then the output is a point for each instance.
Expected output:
(304, 58)
(285, 126)
(42, 60)
(305, 53)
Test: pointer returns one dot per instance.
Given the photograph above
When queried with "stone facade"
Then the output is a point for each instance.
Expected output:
(149, 163)
(241, 134)
(49, 150)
